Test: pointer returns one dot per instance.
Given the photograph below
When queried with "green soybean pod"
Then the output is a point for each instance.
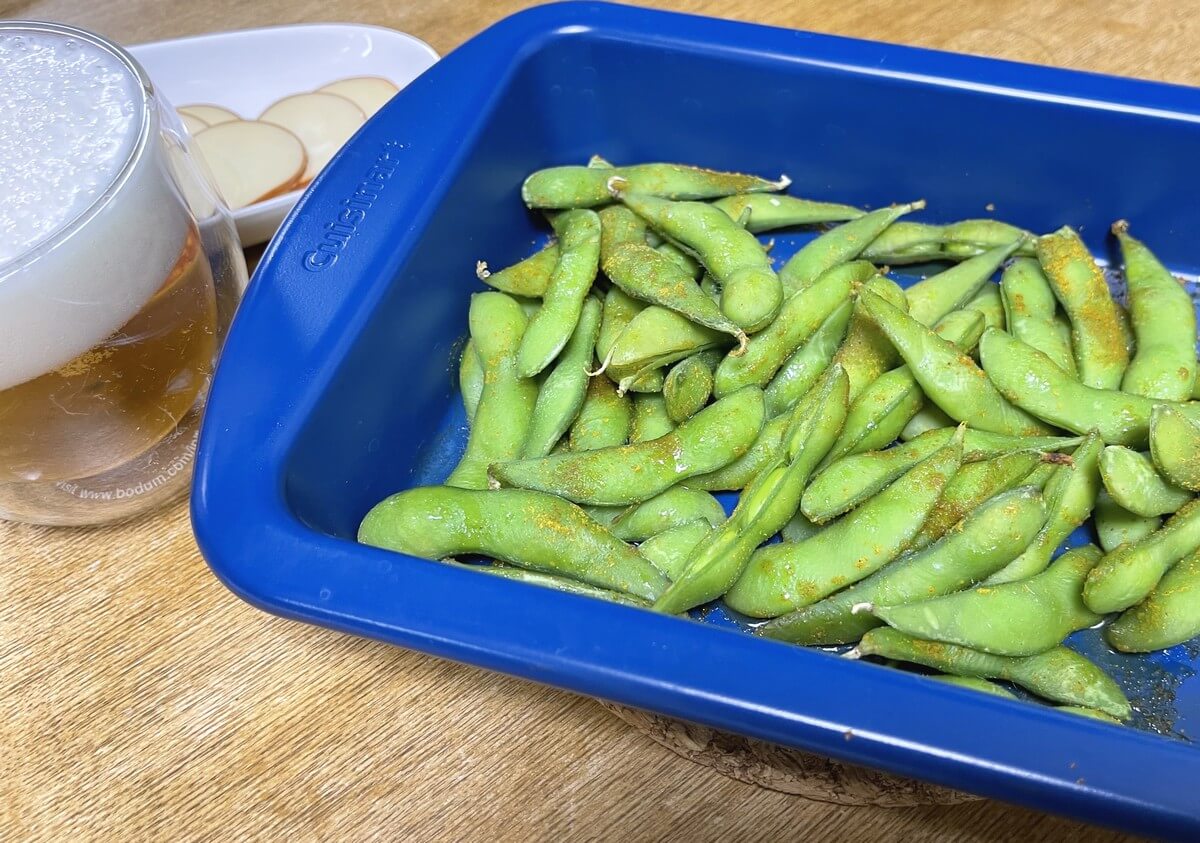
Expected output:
(1136, 485)
(765, 212)
(685, 262)
(1070, 499)
(1163, 318)
(578, 258)
(738, 474)
(1128, 574)
(714, 437)
(948, 377)
(670, 550)
(750, 291)
(800, 372)
(470, 379)
(562, 393)
(677, 505)
(619, 310)
(604, 419)
(1175, 446)
(1031, 381)
(527, 529)
(1015, 619)
(1096, 335)
(883, 410)
(914, 242)
(1060, 674)
(689, 385)
(619, 226)
(783, 577)
(985, 541)
(930, 417)
(848, 481)
(866, 353)
(650, 417)
(1170, 614)
(989, 302)
(973, 484)
(505, 408)
(981, 685)
(1116, 525)
(654, 338)
(1029, 310)
(799, 318)
(767, 503)
(839, 245)
(932, 298)
(553, 581)
(798, 529)
(527, 277)
(587, 187)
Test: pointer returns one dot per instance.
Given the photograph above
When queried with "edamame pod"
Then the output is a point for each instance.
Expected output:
(988, 302)
(1029, 379)
(1136, 485)
(470, 379)
(689, 385)
(523, 528)
(506, 403)
(604, 419)
(1170, 615)
(562, 393)
(932, 298)
(866, 352)
(619, 227)
(1126, 575)
(677, 505)
(738, 474)
(1070, 498)
(1015, 619)
(973, 484)
(1029, 310)
(948, 377)
(981, 685)
(690, 266)
(586, 187)
(1175, 446)
(914, 242)
(930, 417)
(800, 317)
(1059, 674)
(578, 258)
(1078, 283)
(750, 291)
(670, 550)
(798, 529)
(885, 407)
(767, 213)
(767, 503)
(1116, 525)
(527, 277)
(839, 245)
(714, 437)
(782, 577)
(654, 338)
(801, 371)
(985, 541)
(650, 418)
(619, 310)
(1163, 318)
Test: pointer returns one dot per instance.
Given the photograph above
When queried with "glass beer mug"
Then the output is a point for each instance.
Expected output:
(119, 273)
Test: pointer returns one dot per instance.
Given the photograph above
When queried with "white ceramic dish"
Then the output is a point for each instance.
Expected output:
(247, 70)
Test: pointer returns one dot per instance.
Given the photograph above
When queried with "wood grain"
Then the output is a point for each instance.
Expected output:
(140, 700)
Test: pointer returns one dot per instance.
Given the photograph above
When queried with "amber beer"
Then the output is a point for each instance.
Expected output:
(118, 273)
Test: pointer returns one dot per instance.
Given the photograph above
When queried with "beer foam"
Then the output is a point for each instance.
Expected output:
(70, 121)
(91, 221)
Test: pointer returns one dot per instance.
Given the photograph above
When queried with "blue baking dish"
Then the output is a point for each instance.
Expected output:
(336, 385)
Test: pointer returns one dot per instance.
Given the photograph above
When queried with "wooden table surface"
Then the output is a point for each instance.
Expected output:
(140, 699)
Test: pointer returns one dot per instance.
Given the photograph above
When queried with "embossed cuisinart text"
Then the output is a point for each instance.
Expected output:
(353, 212)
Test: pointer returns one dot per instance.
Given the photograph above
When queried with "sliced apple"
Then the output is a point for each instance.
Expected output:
(252, 160)
(323, 122)
(193, 124)
(370, 93)
(211, 115)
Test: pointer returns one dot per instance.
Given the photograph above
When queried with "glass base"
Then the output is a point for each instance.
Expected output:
(149, 481)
